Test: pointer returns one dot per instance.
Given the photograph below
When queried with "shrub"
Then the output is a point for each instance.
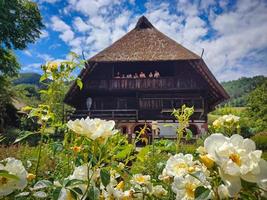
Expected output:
(261, 140)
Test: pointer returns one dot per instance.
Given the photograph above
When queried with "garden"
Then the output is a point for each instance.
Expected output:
(90, 159)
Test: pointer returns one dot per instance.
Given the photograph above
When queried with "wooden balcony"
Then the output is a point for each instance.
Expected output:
(131, 114)
(118, 114)
(166, 83)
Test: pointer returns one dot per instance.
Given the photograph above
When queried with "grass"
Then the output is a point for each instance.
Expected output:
(264, 155)
(50, 163)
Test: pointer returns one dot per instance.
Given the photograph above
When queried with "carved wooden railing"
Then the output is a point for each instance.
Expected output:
(106, 114)
(143, 83)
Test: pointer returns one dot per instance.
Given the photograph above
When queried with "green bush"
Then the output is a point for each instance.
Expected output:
(261, 140)
(149, 163)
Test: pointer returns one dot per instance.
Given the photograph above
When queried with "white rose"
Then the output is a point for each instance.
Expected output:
(237, 158)
(181, 164)
(92, 128)
(14, 167)
(159, 191)
(223, 192)
(184, 186)
(140, 179)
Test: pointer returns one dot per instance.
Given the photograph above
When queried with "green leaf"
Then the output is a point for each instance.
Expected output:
(105, 177)
(73, 194)
(56, 193)
(201, 193)
(248, 185)
(43, 77)
(93, 193)
(78, 190)
(74, 182)
(189, 134)
(23, 136)
(125, 152)
(79, 83)
(6, 174)
(2, 138)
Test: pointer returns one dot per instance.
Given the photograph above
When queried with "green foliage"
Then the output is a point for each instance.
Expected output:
(10, 135)
(149, 162)
(257, 102)
(239, 89)
(50, 165)
(8, 62)
(55, 77)
(21, 23)
(201, 193)
(105, 176)
(261, 140)
(5, 101)
(182, 115)
(28, 94)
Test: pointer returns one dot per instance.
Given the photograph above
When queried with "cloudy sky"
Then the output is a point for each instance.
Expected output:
(233, 34)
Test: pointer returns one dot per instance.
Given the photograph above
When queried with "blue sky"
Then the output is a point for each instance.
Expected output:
(233, 34)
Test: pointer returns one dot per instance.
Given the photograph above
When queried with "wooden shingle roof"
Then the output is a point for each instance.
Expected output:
(144, 43)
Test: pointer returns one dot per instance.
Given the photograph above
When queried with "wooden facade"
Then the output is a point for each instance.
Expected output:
(184, 79)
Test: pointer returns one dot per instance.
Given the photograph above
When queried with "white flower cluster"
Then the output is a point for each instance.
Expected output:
(237, 159)
(93, 128)
(187, 175)
(142, 186)
(226, 120)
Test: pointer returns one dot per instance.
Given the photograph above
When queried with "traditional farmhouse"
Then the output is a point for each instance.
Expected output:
(140, 78)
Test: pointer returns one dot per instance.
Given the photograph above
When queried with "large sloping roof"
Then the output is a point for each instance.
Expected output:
(144, 43)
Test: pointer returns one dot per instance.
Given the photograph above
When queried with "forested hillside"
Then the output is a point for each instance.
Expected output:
(240, 88)
(27, 78)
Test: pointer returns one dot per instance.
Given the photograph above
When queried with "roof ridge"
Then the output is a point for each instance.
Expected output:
(143, 23)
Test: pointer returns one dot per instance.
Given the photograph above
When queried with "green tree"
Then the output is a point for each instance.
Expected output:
(257, 102)
(20, 24)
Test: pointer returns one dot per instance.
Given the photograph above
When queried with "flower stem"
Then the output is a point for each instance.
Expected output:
(39, 156)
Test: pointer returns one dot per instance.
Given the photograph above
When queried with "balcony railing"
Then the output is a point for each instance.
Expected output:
(143, 83)
(118, 114)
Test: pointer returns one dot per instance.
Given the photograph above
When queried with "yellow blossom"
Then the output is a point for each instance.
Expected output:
(120, 185)
(76, 149)
(208, 162)
(31, 176)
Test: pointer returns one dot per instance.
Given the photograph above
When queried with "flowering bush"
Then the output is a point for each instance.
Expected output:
(227, 124)
(223, 168)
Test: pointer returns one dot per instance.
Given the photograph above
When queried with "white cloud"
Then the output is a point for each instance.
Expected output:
(44, 34)
(92, 7)
(45, 57)
(80, 25)
(33, 67)
(27, 52)
(66, 33)
(49, 1)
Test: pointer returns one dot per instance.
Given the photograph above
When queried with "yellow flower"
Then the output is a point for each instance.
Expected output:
(76, 149)
(217, 123)
(208, 162)
(120, 185)
(31, 176)
(52, 66)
